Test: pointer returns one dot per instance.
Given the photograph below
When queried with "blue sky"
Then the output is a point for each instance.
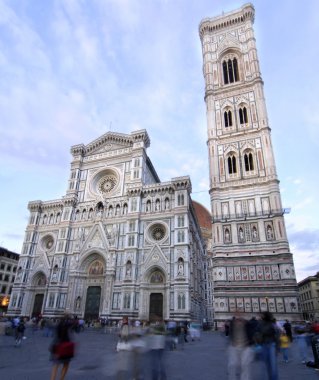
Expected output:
(72, 70)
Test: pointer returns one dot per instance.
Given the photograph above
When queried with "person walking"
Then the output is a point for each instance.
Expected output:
(19, 333)
(62, 348)
(269, 338)
(240, 354)
(284, 346)
(288, 330)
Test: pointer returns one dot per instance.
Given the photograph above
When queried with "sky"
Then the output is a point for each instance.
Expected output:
(73, 70)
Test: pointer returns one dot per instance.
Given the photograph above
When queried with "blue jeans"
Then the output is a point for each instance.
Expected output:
(269, 356)
(285, 354)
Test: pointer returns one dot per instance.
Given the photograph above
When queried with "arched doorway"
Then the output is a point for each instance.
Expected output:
(156, 307)
(156, 300)
(92, 304)
(94, 290)
(39, 282)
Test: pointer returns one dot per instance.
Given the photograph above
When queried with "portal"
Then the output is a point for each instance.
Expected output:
(92, 304)
(156, 307)
(37, 306)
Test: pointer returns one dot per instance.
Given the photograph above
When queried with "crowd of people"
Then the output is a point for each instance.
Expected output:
(265, 340)
(141, 345)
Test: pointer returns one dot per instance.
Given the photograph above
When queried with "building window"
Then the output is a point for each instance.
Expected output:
(51, 300)
(127, 301)
(230, 71)
(180, 221)
(181, 301)
(180, 236)
(131, 240)
(243, 118)
(116, 301)
(134, 205)
(180, 200)
(131, 226)
(232, 166)
(228, 119)
(249, 162)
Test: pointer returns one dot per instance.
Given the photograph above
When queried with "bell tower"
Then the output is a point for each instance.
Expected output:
(252, 266)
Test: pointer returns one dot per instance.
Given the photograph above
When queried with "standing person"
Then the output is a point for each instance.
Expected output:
(19, 332)
(284, 346)
(156, 343)
(62, 349)
(269, 339)
(301, 338)
(287, 327)
(124, 354)
(240, 354)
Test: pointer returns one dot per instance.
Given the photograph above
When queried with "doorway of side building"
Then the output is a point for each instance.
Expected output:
(156, 307)
(92, 304)
(37, 306)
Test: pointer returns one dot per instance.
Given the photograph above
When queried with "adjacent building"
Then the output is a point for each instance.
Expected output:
(309, 297)
(120, 242)
(252, 267)
(8, 268)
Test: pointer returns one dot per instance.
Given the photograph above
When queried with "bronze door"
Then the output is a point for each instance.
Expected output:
(37, 306)
(156, 306)
(92, 305)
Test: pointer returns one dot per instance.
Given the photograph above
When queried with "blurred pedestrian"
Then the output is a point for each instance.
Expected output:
(240, 353)
(19, 333)
(156, 343)
(270, 343)
(62, 348)
(301, 339)
(124, 350)
(288, 330)
(284, 346)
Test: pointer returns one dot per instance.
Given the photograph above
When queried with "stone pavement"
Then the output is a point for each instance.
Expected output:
(96, 359)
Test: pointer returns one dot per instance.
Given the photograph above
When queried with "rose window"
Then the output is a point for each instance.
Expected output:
(47, 242)
(157, 232)
(107, 183)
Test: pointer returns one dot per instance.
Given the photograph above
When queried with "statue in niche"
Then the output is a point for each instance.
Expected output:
(125, 209)
(166, 204)
(148, 206)
(255, 236)
(227, 236)
(157, 205)
(180, 269)
(78, 303)
(128, 272)
(112, 235)
(99, 213)
(241, 234)
(270, 235)
(111, 211)
(55, 273)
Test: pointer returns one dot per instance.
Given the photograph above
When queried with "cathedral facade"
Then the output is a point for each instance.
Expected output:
(120, 242)
(251, 266)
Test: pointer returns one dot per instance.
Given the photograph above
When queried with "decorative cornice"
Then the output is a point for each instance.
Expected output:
(226, 20)
(69, 200)
(112, 138)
